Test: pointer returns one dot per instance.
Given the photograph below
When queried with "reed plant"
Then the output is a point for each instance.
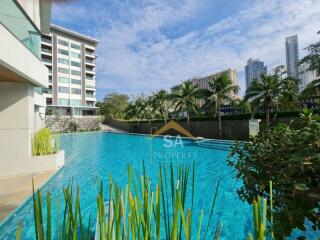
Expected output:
(141, 210)
(259, 209)
(43, 143)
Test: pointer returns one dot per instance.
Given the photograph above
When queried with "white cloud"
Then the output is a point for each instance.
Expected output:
(136, 54)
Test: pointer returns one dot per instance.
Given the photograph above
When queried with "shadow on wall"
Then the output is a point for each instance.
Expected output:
(231, 129)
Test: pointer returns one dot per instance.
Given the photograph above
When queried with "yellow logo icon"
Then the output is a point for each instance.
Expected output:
(173, 125)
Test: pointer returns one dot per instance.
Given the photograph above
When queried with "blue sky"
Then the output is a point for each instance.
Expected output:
(148, 45)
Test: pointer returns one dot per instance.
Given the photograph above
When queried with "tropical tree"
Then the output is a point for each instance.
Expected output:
(220, 92)
(289, 93)
(185, 99)
(161, 103)
(264, 92)
(114, 105)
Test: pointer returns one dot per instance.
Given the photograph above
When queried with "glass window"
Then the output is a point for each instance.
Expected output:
(76, 73)
(62, 51)
(63, 101)
(63, 70)
(63, 89)
(64, 61)
(16, 21)
(63, 80)
(63, 42)
(75, 55)
(75, 91)
(76, 64)
(75, 46)
(75, 81)
(75, 102)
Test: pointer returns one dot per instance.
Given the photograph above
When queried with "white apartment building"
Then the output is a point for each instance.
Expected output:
(22, 74)
(71, 60)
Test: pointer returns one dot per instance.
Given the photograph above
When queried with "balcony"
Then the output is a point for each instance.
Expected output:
(45, 40)
(46, 51)
(46, 60)
(18, 23)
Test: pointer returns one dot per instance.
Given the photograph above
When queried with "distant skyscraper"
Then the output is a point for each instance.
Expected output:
(254, 69)
(292, 56)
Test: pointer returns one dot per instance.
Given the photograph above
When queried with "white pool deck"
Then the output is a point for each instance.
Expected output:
(15, 189)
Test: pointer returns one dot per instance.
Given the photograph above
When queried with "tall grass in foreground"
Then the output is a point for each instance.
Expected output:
(259, 209)
(43, 143)
(142, 210)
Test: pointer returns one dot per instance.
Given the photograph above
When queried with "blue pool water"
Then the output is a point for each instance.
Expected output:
(92, 156)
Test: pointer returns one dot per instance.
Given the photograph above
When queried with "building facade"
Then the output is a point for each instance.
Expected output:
(22, 75)
(292, 56)
(71, 60)
(253, 70)
(203, 82)
(306, 76)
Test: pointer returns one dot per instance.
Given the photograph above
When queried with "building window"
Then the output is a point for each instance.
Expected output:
(75, 81)
(76, 73)
(75, 102)
(64, 52)
(63, 89)
(63, 61)
(75, 46)
(63, 42)
(75, 64)
(76, 91)
(63, 70)
(75, 55)
(63, 101)
(63, 80)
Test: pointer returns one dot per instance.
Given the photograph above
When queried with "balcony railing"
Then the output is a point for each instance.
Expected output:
(20, 25)
(46, 40)
(46, 50)
(90, 78)
(90, 53)
(90, 69)
(90, 95)
(90, 61)
(46, 60)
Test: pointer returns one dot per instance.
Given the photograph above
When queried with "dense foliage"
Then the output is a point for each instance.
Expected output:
(113, 105)
(289, 156)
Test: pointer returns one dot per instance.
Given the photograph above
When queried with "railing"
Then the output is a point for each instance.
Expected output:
(90, 78)
(46, 40)
(90, 95)
(90, 61)
(90, 69)
(46, 60)
(46, 50)
(20, 25)
(47, 90)
(89, 53)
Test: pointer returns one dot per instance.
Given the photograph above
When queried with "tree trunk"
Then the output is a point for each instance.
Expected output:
(188, 119)
(267, 117)
(220, 124)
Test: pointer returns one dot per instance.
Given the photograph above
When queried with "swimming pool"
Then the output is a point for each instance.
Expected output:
(97, 155)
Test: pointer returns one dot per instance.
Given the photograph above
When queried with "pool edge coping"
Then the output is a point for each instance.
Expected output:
(27, 199)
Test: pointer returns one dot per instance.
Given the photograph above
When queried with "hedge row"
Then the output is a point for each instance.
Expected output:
(245, 116)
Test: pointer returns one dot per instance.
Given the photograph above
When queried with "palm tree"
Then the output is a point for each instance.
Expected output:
(263, 92)
(185, 98)
(161, 103)
(220, 91)
(289, 93)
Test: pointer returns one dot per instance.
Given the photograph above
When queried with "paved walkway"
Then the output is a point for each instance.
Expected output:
(15, 189)
(105, 127)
